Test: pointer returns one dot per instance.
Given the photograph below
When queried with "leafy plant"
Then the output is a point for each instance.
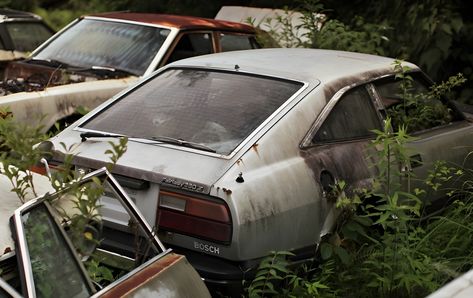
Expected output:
(18, 154)
(79, 208)
(418, 110)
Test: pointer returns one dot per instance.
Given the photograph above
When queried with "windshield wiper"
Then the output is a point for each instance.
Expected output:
(182, 143)
(90, 134)
(162, 139)
(106, 70)
(49, 62)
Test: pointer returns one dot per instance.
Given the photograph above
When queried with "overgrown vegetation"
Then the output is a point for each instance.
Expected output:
(385, 244)
(433, 34)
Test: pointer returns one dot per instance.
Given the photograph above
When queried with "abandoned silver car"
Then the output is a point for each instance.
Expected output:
(231, 155)
(62, 250)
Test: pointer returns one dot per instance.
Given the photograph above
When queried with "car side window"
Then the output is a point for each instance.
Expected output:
(353, 117)
(412, 106)
(236, 42)
(56, 271)
(190, 45)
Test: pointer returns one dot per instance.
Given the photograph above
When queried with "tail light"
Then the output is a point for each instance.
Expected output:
(196, 217)
(42, 168)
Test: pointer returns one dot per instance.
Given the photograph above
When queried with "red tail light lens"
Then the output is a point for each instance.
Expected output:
(196, 217)
(41, 168)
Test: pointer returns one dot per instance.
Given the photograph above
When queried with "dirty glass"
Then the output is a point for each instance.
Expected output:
(234, 42)
(123, 46)
(27, 36)
(215, 109)
(55, 271)
(353, 117)
(190, 45)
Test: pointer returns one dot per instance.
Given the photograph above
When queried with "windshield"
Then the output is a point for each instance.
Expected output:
(123, 46)
(212, 108)
(26, 36)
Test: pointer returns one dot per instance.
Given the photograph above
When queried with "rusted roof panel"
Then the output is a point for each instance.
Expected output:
(180, 22)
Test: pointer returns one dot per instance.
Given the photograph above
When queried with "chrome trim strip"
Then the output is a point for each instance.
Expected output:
(8, 289)
(306, 141)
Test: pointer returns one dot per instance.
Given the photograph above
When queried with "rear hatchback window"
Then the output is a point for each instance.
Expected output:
(215, 109)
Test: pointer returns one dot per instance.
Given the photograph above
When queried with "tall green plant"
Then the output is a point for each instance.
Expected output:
(80, 208)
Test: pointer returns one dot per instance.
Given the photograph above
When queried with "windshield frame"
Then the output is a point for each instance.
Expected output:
(258, 131)
(154, 62)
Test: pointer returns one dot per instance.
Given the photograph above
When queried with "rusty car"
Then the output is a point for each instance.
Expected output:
(42, 256)
(20, 33)
(232, 155)
(96, 56)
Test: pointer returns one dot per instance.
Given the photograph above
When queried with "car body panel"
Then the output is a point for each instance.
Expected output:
(11, 202)
(168, 278)
(460, 287)
(55, 103)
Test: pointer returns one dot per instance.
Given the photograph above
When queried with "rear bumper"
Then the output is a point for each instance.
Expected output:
(222, 277)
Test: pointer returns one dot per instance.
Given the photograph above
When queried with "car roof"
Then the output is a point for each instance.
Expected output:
(307, 65)
(180, 22)
(7, 14)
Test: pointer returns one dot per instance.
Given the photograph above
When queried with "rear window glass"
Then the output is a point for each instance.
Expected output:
(215, 109)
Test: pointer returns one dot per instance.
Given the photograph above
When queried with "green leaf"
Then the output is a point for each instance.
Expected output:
(343, 255)
(326, 250)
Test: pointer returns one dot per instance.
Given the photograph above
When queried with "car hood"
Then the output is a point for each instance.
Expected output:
(165, 164)
(9, 202)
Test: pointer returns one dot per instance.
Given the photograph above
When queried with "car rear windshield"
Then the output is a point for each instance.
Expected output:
(123, 46)
(211, 108)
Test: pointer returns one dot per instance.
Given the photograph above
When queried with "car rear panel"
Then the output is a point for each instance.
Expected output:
(170, 276)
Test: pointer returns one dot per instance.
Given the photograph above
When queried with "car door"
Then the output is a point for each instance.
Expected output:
(338, 146)
(53, 258)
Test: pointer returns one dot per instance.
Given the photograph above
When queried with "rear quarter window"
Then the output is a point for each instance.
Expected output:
(236, 42)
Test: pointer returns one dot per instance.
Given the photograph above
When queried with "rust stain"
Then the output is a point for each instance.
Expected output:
(255, 147)
(181, 22)
(346, 162)
(5, 114)
(227, 191)
(142, 276)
